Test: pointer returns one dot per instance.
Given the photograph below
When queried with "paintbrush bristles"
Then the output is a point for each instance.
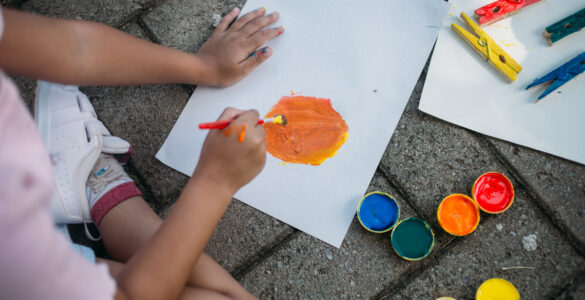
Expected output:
(279, 119)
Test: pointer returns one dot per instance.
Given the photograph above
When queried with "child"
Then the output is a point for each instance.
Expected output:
(153, 260)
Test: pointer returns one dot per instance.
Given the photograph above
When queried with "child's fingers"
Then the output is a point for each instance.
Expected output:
(227, 20)
(257, 24)
(245, 19)
(249, 117)
(256, 58)
(262, 36)
(230, 113)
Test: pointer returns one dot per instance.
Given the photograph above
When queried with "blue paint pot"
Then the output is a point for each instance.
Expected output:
(378, 212)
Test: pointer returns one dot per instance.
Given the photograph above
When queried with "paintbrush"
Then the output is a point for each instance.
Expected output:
(276, 119)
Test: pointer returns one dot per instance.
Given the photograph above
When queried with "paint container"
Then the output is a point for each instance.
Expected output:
(458, 215)
(412, 239)
(493, 192)
(378, 212)
(445, 298)
(497, 288)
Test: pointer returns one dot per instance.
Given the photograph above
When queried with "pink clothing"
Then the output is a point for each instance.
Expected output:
(36, 261)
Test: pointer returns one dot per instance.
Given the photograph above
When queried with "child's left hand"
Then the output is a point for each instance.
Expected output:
(226, 56)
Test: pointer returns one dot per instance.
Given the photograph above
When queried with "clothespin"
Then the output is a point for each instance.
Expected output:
(487, 48)
(565, 27)
(561, 75)
(501, 9)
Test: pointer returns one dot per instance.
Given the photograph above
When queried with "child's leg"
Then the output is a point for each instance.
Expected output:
(188, 292)
(132, 223)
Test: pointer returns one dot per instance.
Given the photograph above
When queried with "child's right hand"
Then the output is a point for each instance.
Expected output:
(230, 158)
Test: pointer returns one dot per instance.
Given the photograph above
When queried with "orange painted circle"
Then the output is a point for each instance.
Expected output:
(458, 214)
(313, 133)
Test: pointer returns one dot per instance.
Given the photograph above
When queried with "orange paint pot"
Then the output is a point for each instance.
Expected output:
(458, 215)
(493, 192)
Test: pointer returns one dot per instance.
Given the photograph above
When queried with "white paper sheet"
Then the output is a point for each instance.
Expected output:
(364, 56)
(463, 89)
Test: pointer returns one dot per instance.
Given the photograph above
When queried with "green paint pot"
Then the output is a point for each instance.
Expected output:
(412, 239)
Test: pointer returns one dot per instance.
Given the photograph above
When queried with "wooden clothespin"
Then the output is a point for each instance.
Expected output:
(561, 75)
(487, 48)
(565, 27)
(498, 10)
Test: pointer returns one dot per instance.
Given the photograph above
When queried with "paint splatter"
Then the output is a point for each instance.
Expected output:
(314, 130)
(529, 242)
(242, 133)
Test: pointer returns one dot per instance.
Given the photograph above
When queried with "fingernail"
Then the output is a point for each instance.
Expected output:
(262, 9)
(280, 30)
(276, 14)
(266, 51)
(235, 9)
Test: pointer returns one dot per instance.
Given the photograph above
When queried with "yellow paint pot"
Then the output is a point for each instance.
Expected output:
(497, 289)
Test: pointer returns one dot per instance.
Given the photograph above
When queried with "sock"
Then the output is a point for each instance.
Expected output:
(107, 186)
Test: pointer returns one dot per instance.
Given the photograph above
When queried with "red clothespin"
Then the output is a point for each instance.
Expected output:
(498, 10)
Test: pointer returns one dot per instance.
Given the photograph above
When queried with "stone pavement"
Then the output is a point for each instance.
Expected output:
(425, 160)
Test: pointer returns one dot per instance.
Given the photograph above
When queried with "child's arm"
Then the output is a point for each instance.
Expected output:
(89, 53)
(161, 268)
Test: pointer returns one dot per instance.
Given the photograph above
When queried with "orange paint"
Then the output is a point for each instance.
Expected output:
(314, 130)
(242, 133)
(458, 214)
(228, 131)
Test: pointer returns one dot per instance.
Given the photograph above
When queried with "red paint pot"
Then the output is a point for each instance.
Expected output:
(493, 192)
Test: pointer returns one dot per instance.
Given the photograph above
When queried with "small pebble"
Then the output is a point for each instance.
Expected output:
(216, 19)
(529, 242)
(499, 227)
(329, 254)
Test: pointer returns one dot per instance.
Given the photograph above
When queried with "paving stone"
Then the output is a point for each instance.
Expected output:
(186, 25)
(242, 234)
(575, 293)
(111, 12)
(559, 182)
(499, 242)
(144, 116)
(307, 268)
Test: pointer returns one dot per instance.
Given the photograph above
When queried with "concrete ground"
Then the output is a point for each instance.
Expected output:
(425, 160)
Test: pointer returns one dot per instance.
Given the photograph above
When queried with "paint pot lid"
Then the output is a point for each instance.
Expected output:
(493, 192)
(458, 215)
(412, 239)
(497, 288)
(378, 212)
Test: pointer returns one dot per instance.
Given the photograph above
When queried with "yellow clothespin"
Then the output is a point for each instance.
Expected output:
(485, 46)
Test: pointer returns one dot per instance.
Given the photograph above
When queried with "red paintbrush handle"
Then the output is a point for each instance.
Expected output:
(221, 124)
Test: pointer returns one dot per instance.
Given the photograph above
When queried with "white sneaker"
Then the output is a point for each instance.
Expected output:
(74, 138)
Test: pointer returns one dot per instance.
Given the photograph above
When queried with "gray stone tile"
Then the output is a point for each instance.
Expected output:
(144, 115)
(558, 182)
(243, 234)
(186, 25)
(307, 268)
(500, 242)
(111, 12)
(576, 292)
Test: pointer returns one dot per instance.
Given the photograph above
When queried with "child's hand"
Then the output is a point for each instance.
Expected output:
(232, 157)
(227, 57)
